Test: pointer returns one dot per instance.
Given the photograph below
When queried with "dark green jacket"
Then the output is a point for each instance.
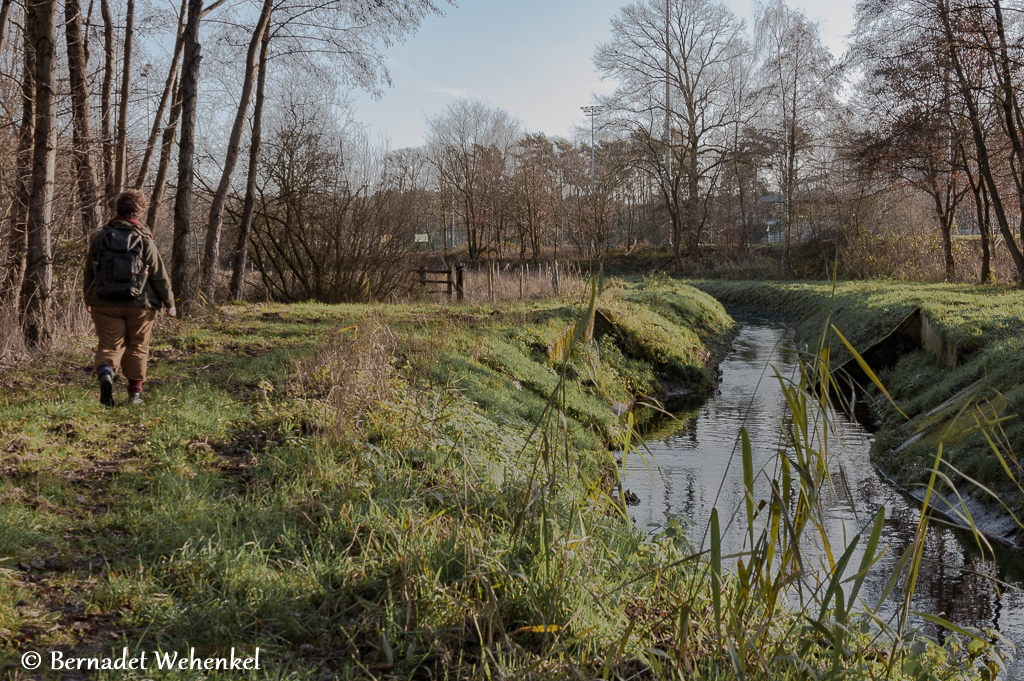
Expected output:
(157, 293)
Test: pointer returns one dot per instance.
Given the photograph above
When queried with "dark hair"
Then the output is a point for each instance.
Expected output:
(130, 204)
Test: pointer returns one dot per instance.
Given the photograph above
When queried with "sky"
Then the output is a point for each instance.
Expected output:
(533, 58)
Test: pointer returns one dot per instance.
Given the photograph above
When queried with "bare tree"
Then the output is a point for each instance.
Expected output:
(909, 136)
(972, 44)
(801, 81)
(121, 141)
(341, 32)
(211, 259)
(166, 147)
(532, 192)
(182, 260)
(82, 130)
(171, 129)
(672, 60)
(165, 98)
(108, 79)
(468, 144)
(330, 223)
(241, 257)
(36, 288)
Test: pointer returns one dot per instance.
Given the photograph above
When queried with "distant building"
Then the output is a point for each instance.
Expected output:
(807, 198)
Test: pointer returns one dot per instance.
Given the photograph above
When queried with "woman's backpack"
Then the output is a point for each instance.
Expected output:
(120, 270)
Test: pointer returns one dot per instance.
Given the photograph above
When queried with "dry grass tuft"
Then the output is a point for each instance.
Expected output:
(12, 340)
(69, 325)
(352, 371)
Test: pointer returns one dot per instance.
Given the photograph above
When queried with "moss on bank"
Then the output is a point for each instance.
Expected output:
(985, 323)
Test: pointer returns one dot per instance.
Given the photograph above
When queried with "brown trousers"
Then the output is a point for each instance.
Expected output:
(124, 331)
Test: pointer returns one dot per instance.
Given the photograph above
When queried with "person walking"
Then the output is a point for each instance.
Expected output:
(126, 283)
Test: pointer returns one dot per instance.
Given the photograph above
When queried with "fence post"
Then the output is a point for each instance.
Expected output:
(451, 281)
(554, 277)
(460, 282)
(522, 276)
(423, 278)
(490, 281)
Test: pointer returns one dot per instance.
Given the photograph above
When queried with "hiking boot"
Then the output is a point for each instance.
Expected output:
(106, 376)
(135, 398)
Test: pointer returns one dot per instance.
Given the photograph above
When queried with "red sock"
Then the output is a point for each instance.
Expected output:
(135, 386)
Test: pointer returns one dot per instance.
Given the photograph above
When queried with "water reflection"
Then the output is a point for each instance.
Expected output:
(698, 468)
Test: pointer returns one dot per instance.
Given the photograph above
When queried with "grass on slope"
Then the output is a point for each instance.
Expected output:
(248, 503)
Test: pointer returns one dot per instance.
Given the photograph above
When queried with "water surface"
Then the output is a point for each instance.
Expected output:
(695, 466)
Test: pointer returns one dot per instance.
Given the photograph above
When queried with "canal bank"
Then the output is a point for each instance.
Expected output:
(968, 370)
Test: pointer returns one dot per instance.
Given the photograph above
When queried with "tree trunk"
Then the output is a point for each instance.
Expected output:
(82, 132)
(944, 215)
(181, 257)
(5, 10)
(244, 229)
(86, 31)
(17, 244)
(35, 292)
(677, 242)
(211, 259)
(169, 88)
(790, 182)
(121, 148)
(981, 209)
(985, 228)
(166, 145)
(108, 78)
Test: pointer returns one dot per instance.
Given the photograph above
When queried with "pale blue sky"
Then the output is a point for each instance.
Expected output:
(532, 58)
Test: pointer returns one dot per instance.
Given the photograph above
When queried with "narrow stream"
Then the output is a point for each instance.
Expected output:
(695, 457)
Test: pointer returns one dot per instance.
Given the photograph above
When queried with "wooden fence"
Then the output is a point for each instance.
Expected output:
(453, 281)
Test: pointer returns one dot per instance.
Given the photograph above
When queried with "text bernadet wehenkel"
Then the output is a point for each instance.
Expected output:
(153, 659)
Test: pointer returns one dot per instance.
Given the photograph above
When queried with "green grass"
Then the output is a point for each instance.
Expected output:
(458, 524)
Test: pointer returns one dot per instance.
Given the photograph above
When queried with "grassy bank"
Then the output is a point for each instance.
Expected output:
(939, 403)
(387, 492)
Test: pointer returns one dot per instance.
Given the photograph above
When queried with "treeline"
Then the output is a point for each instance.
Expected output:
(92, 107)
(902, 158)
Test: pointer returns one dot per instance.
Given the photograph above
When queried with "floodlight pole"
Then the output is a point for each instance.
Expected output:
(592, 111)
